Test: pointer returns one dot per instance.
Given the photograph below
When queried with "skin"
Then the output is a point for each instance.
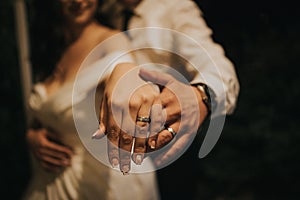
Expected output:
(150, 103)
(176, 116)
(82, 33)
(120, 123)
(52, 156)
(168, 100)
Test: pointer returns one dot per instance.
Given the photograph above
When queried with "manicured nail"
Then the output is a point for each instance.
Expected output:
(125, 169)
(114, 162)
(152, 144)
(98, 134)
(138, 159)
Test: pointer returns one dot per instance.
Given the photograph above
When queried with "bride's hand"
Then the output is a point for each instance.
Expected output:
(51, 155)
(126, 98)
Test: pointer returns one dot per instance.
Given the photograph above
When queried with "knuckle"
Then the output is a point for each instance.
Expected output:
(149, 96)
(113, 133)
(133, 103)
(155, 95)
(165, 137)
(140, 149)
(113, 153)
(140, 146)
(145, 97)
(171, 98)
(140, 143)
(126, 139)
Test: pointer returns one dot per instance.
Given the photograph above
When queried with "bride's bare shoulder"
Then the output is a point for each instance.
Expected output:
(104, 32)
(115, 39)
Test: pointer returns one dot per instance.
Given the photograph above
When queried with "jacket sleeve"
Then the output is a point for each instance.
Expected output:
(205, 56)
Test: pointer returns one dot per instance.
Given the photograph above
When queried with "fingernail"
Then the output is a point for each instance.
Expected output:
(98, 134)
(94, 136)
(138, 159)
(114, 162)
(152, 144)
(125, 169)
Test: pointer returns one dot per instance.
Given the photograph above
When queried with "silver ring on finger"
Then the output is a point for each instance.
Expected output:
(171, 130)
(143, 119)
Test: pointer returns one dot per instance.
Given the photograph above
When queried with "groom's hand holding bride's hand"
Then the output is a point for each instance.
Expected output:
(178, 107)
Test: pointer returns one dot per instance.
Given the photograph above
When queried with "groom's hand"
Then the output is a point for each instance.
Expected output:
(185, 113)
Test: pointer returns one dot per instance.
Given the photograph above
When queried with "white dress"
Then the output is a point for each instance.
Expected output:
(86, 178)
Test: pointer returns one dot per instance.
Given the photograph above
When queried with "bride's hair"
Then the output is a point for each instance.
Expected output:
(47, 42)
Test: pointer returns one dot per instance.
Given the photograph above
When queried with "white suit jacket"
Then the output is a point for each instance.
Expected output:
(178, 27)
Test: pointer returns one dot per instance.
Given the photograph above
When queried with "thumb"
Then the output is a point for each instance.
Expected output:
(100, 133)
(155, 77)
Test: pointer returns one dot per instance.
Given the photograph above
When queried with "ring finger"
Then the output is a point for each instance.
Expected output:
(158, 119)
(167, 134)
(141, 131)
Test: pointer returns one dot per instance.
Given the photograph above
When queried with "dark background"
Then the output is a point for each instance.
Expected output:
(257, 156)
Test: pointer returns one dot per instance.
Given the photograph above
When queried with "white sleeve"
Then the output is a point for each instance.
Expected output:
(217, 71)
